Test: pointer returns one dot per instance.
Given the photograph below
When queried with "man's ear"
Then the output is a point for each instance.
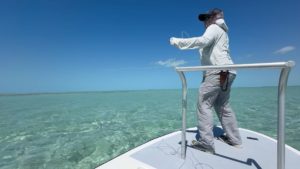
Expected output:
(219, 16)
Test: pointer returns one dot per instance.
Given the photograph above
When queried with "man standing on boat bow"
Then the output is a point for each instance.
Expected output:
(214, 92)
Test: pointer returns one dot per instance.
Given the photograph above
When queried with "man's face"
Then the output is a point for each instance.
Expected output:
(207, 22)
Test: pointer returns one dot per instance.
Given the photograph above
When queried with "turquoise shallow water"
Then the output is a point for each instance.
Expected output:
(84, 130)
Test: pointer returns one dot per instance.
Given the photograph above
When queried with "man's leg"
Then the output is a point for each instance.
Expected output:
(226, 114)
(208, 93)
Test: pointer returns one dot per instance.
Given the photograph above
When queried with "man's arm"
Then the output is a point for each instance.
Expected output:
(195, 42)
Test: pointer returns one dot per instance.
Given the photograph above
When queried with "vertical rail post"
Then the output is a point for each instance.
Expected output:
(184, 108)
(281, 117)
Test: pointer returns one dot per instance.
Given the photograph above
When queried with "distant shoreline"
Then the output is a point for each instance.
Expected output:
(111, 91)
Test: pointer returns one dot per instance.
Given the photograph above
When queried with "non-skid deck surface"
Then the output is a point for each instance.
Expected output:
(258, 152)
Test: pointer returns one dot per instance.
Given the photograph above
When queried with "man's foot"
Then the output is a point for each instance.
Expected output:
(200, 146)
(225, 139)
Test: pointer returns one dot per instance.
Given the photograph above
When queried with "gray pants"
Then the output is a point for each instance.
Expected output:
(211, 95)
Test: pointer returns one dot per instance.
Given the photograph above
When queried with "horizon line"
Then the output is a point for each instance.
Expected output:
(108, 91)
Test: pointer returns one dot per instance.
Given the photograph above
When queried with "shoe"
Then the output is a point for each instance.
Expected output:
(200, 146)
(225, 139)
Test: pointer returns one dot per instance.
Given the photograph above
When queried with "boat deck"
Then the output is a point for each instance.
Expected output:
(258, 152)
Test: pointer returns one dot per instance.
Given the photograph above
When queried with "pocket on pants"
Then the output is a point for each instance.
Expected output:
(211, 81)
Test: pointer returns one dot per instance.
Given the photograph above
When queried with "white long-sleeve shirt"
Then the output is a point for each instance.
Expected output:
(213, 45)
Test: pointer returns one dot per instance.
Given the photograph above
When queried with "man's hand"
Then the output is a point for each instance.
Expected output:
(172, 40)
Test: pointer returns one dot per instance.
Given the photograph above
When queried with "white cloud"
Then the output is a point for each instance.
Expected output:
(171, 63)
(284, 50)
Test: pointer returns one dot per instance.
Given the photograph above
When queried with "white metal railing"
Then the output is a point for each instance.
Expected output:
(285, 69)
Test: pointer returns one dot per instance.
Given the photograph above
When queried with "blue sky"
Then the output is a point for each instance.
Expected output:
(71, 45)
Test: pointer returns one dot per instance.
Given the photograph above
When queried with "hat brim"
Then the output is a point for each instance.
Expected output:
(203, 17)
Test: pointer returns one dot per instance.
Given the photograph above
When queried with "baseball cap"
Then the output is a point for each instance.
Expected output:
(213, 12)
